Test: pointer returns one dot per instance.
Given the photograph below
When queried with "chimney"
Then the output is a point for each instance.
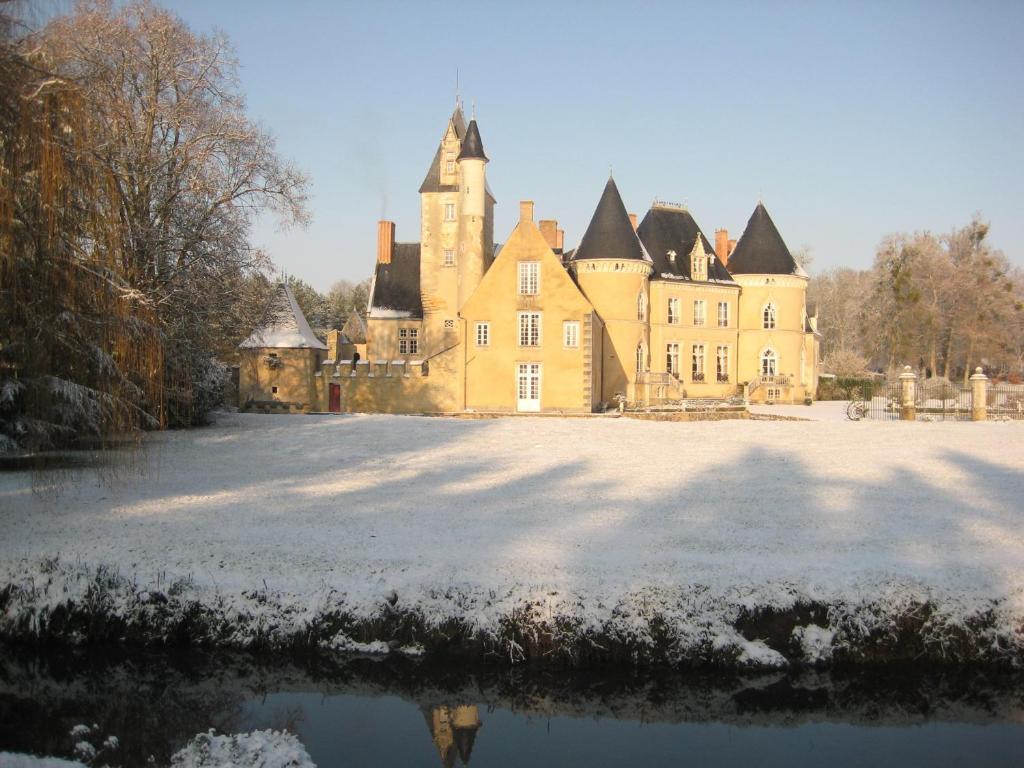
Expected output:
(560, 239)
(385, 241)
(525, 210)
(722, 245)
(632, 220)
(549, 228)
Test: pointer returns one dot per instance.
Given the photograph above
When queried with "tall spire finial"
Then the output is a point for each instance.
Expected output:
(609, 170)
(458, 99)
(474, 109)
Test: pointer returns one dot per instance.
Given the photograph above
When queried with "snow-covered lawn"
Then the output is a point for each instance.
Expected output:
(598, 519)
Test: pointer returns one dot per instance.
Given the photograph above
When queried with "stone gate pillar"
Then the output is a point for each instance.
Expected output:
(908, 383)
(979, 395)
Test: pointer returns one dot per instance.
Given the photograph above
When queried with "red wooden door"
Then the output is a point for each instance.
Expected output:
(335, 393)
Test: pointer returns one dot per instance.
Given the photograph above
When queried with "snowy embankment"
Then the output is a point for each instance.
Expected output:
(740, 542)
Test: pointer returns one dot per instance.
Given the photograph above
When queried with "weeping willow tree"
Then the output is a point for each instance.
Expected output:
(80, 355)
(130, 178)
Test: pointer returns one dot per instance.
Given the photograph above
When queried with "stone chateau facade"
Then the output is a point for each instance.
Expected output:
(646, 313)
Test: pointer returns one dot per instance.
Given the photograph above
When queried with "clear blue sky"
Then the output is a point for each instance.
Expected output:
(851, 120)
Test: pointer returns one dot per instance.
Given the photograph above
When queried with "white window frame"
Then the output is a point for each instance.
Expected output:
(483, 334)
(571, 334)
(449, 162)
(723, 314)
(673, 311)
(698, 369)
(769, 316)
(699, 266)
(672, 358)
(769, 362)
(448, 257)
(529, 326)
(700, 313)
(449, 211)
(529, 278)
(722, 364)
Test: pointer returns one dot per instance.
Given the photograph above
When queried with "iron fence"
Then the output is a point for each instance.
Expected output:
(942, 400)
(1005, 401)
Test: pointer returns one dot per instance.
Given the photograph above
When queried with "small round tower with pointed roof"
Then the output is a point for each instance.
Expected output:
(612, 269)
(778, 348)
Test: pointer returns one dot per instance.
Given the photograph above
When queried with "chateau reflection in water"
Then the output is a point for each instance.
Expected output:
(454, 731)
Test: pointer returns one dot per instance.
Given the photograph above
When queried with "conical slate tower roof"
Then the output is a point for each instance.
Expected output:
(610, 234)
(472, 145)
(284, 326)
(761, 250)
(432, 182)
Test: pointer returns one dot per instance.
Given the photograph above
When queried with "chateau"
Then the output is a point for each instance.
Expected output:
(645, 314)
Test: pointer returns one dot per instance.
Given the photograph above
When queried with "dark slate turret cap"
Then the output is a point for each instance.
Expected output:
(610, 234)
(761, 250)
(472, 145)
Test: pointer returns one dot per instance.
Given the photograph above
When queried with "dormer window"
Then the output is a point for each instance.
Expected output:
(449, 162)
(699, 265)
(671, 257)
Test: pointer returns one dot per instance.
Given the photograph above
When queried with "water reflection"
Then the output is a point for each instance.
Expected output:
(363, 712)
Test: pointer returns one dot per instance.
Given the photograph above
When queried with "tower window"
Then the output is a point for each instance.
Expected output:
(769, 362)
(449, 162)
(769, 316)
(449, 211)
(529, 278)
(641, 306)
(449, 257)
(641, 358)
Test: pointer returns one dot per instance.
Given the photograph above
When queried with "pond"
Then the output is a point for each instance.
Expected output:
(367, 712)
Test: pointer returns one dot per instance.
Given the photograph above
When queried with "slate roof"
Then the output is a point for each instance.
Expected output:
(472, 145)
(396, 286)
(610, 234)
(432, 182)
(761, 250)
(667, 229)
(284, 326)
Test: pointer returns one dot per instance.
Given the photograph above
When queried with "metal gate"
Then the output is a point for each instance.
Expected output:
(1006, 401)
(942, 400)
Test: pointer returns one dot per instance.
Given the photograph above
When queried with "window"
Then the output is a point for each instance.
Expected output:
(408, 341)
(641, 306)
(571, 334)
(722, 364)
(673, 311)
(449, 325)
(483, 334)
(769, 362)
(273, 390)
(449, 162)
(672, 359)
(641, 359)
(529, 278)
(529, 329)
(699, 307)
(449, 257)
(769, 316)
(723, 314)
(699, 264)
(697, 364)
(449, 211)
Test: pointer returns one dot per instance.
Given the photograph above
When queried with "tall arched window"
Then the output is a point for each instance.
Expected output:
(769, 362)
(641, 306)
(641, 358)
(769, 315)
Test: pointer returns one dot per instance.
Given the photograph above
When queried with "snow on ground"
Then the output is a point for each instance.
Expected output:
(259, 749)
(472, 517)
(822, 410)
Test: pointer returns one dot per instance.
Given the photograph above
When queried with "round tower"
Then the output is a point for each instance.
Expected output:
(472, 212)
(613, 270)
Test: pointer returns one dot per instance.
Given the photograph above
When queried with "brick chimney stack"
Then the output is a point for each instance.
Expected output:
(722, 245)
(525, 210)
(560, 239)
(549, 228)
(632, 220)
(385, 241)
